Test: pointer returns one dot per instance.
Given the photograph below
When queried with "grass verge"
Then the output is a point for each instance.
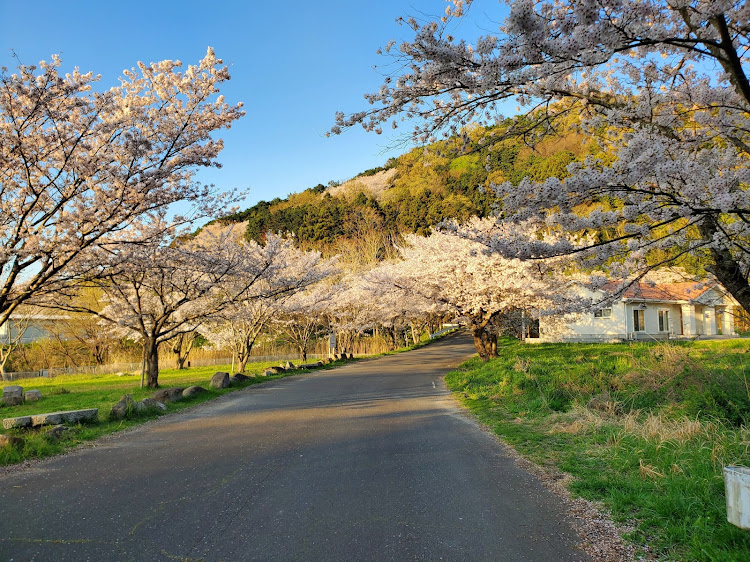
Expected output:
(643, 428)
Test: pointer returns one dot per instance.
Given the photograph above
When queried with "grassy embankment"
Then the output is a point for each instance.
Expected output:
(643, 428)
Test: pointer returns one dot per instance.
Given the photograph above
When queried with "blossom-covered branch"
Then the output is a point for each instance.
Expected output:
(82, 169)
(664, 87)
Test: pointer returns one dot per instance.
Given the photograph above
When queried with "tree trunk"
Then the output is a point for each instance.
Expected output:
(243, 356)
(241, 363)
(489, 340)
(485, 340)
(151, 351)
(477, 332)
(390, 338)
(3, 360)
(726, 269)
(99, 353)
(303, 353)
(182, 345)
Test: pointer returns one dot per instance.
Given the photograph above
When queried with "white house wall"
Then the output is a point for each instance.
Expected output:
(587, 325)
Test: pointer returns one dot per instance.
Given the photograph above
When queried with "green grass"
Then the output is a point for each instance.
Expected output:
(643, 428)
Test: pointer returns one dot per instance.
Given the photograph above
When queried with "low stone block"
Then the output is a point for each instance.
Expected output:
(71, 416)
(268, 372)
(46, 419)
(277, 370)
(32, 395)
(166, 395)
(238, 378)
(219, 380)
(13, 423)
(319, 364)
(11, 441)
(289, 365)
(79, 416)
(12, 395)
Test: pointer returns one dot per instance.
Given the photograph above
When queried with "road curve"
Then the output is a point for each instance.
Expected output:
(371, 461)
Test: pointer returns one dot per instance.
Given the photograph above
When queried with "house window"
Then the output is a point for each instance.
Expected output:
(638, 323)
(603, 313)
(663, 320)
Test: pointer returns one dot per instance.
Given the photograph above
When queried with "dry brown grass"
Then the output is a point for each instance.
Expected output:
(521, 365)
(657, 429)
(579, 420)
(375, 185)
(648, 471)
(653, 428)
(660, 365)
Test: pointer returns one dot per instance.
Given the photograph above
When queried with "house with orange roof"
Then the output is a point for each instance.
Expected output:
(648, 311)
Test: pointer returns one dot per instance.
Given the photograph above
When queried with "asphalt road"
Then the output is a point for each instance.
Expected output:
(371, 461)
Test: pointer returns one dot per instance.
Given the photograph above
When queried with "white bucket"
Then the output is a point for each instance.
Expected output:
(737, 486)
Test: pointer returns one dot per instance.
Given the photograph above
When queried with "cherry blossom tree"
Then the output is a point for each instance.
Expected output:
(181, 346)
(457, 275)
(352, 311)
(399, 308)
(239, 324)
(303, 317)
(82, 169)
(155, 292)
(662, 83)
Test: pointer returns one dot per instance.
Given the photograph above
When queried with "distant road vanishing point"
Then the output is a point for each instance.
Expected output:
(370, 461)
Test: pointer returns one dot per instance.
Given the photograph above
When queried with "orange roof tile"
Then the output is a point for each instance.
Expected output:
(662, 291)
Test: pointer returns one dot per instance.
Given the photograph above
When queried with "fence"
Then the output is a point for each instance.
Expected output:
(132, 367)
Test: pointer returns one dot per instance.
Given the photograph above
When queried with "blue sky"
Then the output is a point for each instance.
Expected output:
(293, 64)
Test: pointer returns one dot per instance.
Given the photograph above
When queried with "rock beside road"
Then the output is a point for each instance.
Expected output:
(192, 391)
(56, 432)
(219, 380)
(166, 395)
(238, 378)
(123, 408)
(150, 404)
(11, 441)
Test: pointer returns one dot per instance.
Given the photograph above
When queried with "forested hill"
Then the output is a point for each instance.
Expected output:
(413, 192)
